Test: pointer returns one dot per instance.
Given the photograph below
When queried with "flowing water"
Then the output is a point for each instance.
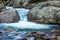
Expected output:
(23, 23)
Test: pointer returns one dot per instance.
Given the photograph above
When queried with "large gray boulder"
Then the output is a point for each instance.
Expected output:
(9, 16)
(45, 12)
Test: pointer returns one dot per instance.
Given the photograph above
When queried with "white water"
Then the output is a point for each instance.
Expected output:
(23, 23)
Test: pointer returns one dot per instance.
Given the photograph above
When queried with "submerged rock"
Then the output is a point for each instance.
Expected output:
(45, 12)
(9, 16)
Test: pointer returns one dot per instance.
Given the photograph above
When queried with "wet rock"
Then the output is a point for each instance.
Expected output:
(9, 16)
(45, 12)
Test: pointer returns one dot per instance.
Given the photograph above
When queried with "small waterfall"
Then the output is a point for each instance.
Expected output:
(23, 23)
(23, 13)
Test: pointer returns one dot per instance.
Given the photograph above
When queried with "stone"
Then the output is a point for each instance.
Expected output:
(9, 30)
(20, 3)
(45, 12)
(25, 3)
(1, 5)
(30, 6)
(9, 16)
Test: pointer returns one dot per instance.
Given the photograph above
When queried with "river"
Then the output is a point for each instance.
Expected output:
(23, 23)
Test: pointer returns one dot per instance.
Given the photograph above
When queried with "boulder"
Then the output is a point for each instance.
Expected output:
(9, 16)
(45, 12)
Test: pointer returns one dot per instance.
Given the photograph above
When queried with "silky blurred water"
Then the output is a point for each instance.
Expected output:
(23, 23)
